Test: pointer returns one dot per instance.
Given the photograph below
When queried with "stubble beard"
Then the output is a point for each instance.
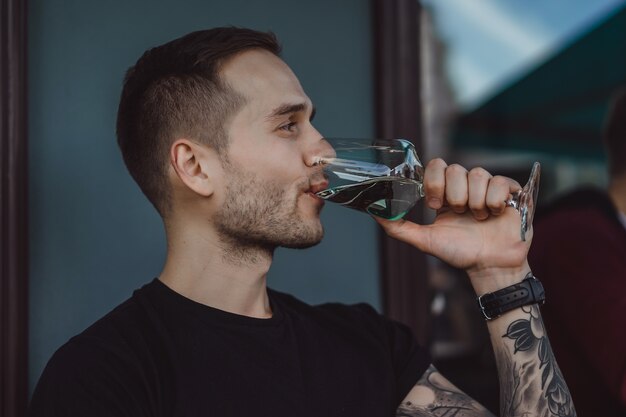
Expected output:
(259, 216)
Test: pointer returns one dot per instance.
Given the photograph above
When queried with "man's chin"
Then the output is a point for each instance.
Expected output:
(304, 242)
(301, 245)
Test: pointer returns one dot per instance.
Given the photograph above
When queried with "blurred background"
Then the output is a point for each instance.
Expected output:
(500, 83)
(506, 83)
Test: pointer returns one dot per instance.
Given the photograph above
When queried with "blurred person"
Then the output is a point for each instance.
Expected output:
(579, 252)
(216, 130)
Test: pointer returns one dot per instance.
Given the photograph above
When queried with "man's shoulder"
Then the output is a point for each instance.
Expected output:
(116, 336)
(120, 328)
(120, 357)
(587, 211)
(579, 202)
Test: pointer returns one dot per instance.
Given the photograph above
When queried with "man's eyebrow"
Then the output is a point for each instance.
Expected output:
(290, 108)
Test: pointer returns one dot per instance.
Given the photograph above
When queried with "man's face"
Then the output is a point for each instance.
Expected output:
(269, 172)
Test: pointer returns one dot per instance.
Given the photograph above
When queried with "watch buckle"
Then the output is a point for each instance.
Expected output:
(482, 309)
(537, 289)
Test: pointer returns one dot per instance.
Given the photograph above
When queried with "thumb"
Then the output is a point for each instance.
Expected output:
(414, 234)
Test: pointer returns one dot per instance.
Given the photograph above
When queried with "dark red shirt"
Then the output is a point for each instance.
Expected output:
(579, 253)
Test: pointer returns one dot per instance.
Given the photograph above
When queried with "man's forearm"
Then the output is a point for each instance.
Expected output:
(531, 382)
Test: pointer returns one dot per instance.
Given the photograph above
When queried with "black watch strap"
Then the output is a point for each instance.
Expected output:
(529, 291)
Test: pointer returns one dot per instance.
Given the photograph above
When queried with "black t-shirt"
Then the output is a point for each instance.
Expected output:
(161, 354)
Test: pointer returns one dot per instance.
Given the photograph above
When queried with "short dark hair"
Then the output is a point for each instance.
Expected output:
(615, 134)
(175, 90)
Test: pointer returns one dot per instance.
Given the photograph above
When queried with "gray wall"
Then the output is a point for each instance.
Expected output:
(94, 238)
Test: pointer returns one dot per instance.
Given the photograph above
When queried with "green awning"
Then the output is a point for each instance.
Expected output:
(558, 107)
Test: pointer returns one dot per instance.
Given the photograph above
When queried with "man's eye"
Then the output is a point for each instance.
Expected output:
(288, 127)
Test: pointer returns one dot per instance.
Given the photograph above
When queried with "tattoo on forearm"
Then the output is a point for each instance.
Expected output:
(440, 398)
(531, 383)
(520, 394)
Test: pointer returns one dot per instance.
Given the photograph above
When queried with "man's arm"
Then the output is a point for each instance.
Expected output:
(475, 231)
(531, 383)
(434, 395)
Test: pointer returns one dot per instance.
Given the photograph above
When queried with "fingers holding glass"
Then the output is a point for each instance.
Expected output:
(435, 183)
(456, 188)
(478, 183)
(385, 178)
(499, 192)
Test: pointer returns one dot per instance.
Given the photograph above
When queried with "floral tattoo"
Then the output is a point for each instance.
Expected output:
(529, 335)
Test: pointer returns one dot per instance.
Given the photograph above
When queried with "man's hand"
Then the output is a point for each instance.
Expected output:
(474, 229)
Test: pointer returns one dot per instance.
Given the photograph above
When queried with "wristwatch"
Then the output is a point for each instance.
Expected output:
(495, 304)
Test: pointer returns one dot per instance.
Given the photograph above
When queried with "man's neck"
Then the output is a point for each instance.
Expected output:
(617, 191)
(216, 273)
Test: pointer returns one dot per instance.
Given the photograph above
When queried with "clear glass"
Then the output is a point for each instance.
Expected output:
(384, 177)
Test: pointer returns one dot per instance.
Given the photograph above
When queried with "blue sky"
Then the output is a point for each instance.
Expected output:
(492, 42)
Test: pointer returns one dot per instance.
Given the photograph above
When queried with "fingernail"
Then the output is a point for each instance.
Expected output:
(434, 202)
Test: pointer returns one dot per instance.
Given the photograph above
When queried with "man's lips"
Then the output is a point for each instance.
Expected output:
(317, 187)
(314, 189)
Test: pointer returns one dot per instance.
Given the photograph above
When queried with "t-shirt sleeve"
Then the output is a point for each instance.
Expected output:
(86, 380)
(410, 360)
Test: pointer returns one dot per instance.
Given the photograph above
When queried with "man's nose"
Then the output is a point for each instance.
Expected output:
(318, 149)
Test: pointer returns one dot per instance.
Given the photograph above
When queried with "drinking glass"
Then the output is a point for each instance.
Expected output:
(385, 178)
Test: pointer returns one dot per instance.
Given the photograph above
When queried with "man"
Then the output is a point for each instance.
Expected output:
(197, 120)
(580, 252)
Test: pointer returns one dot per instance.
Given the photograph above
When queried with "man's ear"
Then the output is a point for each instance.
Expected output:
(191, 162)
